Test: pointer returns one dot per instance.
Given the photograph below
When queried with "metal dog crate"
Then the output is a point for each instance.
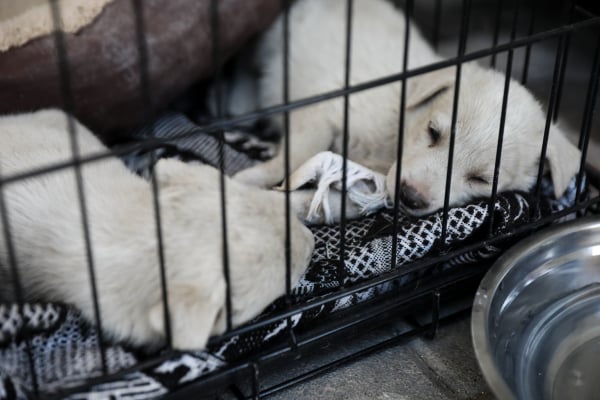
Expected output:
(514, 31)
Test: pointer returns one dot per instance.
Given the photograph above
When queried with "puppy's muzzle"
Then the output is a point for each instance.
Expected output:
(411, 198)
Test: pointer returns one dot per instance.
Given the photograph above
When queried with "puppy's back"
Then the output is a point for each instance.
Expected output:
(318, 47)
(44, 211)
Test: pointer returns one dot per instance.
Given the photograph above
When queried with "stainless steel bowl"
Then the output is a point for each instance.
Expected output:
(536, 316)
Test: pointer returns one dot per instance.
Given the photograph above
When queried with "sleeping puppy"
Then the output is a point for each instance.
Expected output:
(316, 65)
(46, 232)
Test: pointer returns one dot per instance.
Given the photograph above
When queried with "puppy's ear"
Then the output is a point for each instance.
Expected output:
(424, 88)
(564, 159)
(193, 312)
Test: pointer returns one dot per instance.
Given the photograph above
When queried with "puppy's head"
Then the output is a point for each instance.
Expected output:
(428, 132)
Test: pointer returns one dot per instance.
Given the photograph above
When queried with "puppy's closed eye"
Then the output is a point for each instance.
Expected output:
(434, 135)
(478, 179)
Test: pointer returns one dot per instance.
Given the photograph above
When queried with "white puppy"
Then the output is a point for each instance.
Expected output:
(46, 231)
(316, 65)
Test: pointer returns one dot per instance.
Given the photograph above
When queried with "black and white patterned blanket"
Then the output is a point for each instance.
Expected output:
(64, 347)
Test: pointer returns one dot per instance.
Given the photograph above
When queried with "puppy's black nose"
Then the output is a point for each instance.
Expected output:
(411, 198)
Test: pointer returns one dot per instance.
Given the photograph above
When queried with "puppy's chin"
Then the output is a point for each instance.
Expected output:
(413, 212)
(418, 213)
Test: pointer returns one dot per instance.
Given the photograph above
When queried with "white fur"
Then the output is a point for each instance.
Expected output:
(46, 231)
(317, 50)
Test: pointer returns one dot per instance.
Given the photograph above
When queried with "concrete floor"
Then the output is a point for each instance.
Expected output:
(440, 369)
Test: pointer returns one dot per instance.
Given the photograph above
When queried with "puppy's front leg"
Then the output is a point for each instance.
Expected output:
(310, 133)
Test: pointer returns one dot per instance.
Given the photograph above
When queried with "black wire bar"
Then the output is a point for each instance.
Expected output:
(563, 68)
(437, 23)
(146, 94)
(549, 113)
(436, 301)
(69, 107)
(466, 11)
(508, 72)
(17, 286)
(588, 118)
(341, 270)
(255, 376)
(217, 69)
(400, 147)
(497, 25)
(530, 29)
(585, 12)
(286, 155)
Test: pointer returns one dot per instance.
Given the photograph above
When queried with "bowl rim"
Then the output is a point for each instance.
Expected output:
(489, 286)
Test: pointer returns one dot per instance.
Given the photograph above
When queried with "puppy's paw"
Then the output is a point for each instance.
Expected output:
(253, 146)
(308, 173)
(192, 313)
